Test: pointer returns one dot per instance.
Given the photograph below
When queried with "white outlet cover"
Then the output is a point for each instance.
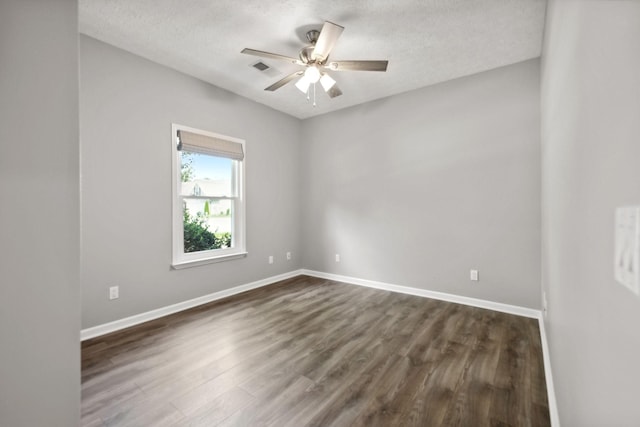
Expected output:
(627, 248)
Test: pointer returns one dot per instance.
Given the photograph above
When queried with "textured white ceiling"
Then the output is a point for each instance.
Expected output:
(425, 41)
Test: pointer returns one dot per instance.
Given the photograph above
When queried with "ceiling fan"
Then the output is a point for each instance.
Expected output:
(315, 59)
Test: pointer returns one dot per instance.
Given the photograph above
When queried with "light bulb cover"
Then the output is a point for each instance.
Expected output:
(312, 74)
(327, 82)
(303, 84)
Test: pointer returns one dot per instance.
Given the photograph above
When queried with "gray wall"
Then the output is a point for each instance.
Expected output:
(419, 188)
(590, 155)
(39, 212)
(127, 107)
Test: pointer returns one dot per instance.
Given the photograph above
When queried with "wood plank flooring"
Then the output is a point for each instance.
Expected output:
(313, 352)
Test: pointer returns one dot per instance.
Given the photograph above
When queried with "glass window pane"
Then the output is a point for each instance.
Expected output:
(207, 224)
(204, 175)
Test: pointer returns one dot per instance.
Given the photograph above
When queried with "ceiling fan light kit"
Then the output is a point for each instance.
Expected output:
(312, 74)
(314, 58)
(327, 82)
(303, 84)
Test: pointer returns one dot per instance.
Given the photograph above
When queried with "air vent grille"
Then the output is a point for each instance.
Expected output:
(261, 66)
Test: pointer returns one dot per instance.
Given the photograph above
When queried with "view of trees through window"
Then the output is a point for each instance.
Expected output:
(207, 209)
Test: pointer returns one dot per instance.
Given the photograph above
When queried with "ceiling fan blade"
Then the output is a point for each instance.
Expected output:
(334, 91)
(326, 40)
(277, 85)
(357, 65)
(270, 55)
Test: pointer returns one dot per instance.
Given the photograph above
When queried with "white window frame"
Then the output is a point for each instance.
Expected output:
(180, 259)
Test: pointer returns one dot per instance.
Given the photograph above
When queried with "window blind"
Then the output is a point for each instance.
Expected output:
(212, 146)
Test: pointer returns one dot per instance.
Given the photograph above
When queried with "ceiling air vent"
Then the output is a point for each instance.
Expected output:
(261, 66)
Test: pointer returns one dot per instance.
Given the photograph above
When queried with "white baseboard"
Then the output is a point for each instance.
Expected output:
(117, 325)
(474, 302)
(551, 394)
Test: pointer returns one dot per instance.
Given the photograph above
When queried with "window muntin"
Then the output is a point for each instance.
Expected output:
(208, 197)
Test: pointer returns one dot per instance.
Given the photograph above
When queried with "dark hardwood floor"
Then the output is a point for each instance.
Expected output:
(312, 352)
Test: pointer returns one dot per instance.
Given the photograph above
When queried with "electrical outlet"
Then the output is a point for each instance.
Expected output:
(288, 256)
(270, 259)
(114, 292)
(337, 257)
(473, 275)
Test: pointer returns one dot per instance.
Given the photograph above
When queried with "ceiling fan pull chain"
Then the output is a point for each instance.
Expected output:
(314, 94)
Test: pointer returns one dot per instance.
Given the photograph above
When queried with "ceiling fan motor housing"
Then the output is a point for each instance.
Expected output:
(305, 54)
(307, 51)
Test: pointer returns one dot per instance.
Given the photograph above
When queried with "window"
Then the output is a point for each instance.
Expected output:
(208, 197)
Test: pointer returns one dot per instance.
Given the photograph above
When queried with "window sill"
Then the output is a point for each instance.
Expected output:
(204, 261)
